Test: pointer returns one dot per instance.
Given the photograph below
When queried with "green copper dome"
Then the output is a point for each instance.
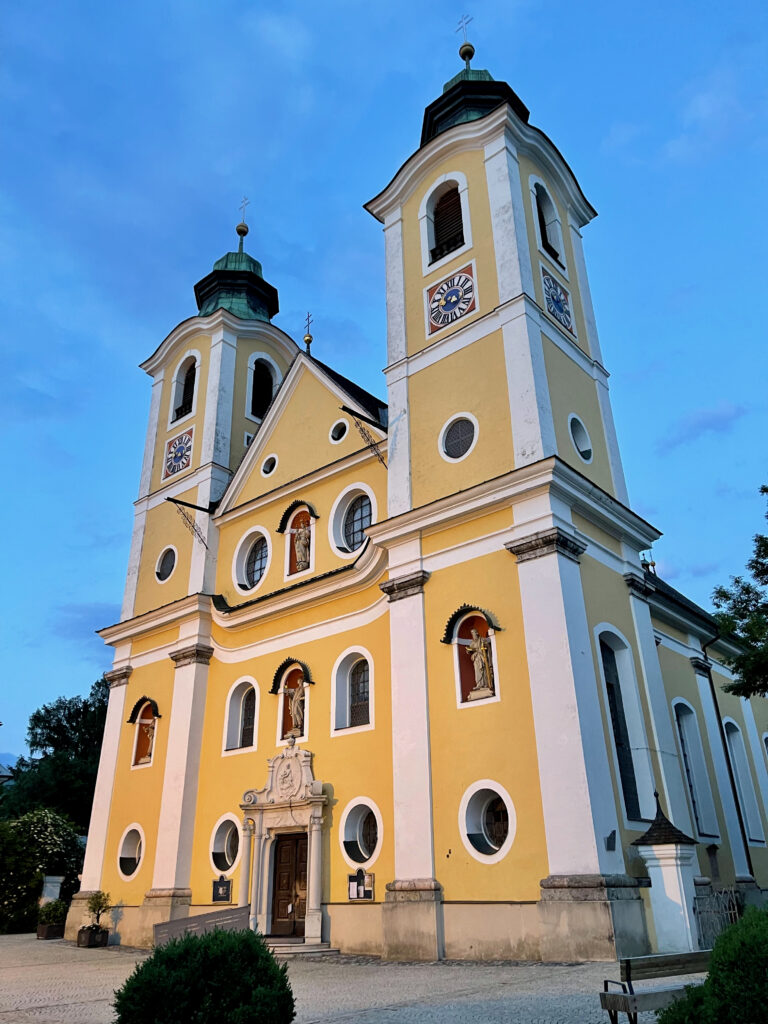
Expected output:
(238, 261)
(237, 284)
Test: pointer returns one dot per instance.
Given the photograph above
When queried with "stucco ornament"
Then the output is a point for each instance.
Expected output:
(296, 708)
(302, 537)
(290, 780)
(479, 651)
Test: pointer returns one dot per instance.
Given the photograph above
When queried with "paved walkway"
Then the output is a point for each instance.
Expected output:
(54, 982)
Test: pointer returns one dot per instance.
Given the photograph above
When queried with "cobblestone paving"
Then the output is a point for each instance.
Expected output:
(54, 982)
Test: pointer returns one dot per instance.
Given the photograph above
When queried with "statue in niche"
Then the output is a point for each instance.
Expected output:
(479, 652)
(296, 708)
(302, 536)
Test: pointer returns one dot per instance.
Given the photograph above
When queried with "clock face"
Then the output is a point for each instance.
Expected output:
(178, 454)
(451, 299)
(557, 301)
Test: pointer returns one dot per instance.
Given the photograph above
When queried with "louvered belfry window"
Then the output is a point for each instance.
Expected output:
(448, 225)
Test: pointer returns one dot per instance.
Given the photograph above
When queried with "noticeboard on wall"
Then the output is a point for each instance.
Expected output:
(360, 885)
(222, 890)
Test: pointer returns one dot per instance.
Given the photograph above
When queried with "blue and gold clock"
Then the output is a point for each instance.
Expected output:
(178, 454)
(450, 299)
(556, 298)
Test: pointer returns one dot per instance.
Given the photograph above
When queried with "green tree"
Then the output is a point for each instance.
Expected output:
(66, 737)
(742, 610)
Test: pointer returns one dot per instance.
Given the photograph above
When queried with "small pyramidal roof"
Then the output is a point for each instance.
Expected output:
(237, 284)
(662, 832)
(468, 96)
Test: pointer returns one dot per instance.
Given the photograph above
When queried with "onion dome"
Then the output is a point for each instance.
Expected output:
(237, 284)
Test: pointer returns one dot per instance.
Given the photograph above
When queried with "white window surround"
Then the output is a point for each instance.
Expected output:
(247, 437)
(272, 455)
(744, 782)
(177, 388)
(233, 717)
(338, 514)
(467, 809)
(553, 224)
(708, 827)
(340, 691)
(457, 651)
(136, 728)
(287, 575)
(279, 741)
(335, 424)
(134, 826)
(277, 377)
(214, 838)
(633, 713)
(240, 558)
(444, 428)
(574, 419)
(426, 212)
(168, 547)
(352, 807)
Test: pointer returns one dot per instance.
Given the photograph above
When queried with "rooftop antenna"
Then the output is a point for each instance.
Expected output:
(308, 337)
(466, 50)
(242, 227)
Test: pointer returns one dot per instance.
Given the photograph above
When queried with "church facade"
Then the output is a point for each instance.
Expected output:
(396, 675)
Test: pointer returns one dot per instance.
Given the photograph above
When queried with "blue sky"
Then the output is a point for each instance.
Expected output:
(129, 134)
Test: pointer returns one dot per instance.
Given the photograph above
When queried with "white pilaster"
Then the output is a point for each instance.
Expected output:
(398, 442)
(217, 426)
(150, 444)
(102, 796)
(182, 766)
(246, 838)
(671, 871)
(577, 796)
(313, 923)
(412, 776)
(510, 236)
(711, 721)
(134, 561)
(393, 255)
(533, 428)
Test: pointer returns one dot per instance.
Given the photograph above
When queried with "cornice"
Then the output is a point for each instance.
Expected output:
(194, 606)
(701, 666)
(473, 135)
(196, 325)
(547, 542)
(195, 654)
(118, 676)
(405, 586)
(638, 585)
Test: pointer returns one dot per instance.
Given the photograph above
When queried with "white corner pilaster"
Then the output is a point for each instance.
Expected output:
(510, 235)
(175, 832)
(577, 796)
(105, 777)
(219, 396)
(399, 431)
(533, 428)
(246, 838)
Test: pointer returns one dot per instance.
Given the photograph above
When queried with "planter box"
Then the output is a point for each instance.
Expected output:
(90, 937)
(50, 931)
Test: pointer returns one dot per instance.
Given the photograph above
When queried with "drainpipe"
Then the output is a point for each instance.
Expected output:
(723, 740)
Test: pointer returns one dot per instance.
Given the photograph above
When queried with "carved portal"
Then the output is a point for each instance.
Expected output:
(292, 801)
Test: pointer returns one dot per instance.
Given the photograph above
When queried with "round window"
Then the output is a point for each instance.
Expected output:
(338, 431)
(487, 824)
(130, 852)
(458, 438)
(226, 844)
(580, 438)
(361, 834)
(166, 564)
(256, 562)
(269, 465)
(357, 519)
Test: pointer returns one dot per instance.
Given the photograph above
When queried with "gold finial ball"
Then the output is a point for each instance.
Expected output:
(466, 51)
(308, 339)
(242, 229)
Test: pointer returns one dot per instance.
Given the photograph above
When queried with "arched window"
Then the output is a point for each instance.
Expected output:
(620, 731)
(352, 700)
(358, 693)
(472, 637)
(145, 735)
(262, 388)
(241, 716)
(548, 223)
(744, 786)
(695, 768)
(447, 224)
(185, 389)
(293, 713)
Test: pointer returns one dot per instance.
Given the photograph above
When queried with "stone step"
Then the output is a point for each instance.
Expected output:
(287, 949)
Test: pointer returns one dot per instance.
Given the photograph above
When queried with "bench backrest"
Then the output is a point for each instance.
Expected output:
(664, 965)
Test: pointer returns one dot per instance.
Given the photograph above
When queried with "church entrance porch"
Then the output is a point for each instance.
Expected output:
(289, 900)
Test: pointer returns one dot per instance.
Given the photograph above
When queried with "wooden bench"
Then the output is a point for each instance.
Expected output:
(645, 968)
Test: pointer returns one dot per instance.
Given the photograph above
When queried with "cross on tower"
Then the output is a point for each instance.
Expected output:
(245, 202)
(309, 321)
(463, 22)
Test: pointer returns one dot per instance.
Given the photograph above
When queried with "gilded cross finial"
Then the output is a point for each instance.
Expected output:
(308, 336)
(242, 227)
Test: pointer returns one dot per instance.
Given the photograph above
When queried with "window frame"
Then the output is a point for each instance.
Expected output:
(234, 820)
(559, 261)
(338, 515)
(134, 826)
(236, 694)
(340, 691)
(698, 782)
(240, 558)
(277, 379)
(731, 728)
(351, 807)
(168, 547)
(468, 797)
(177, 387)
(426, 219)
(444, 430)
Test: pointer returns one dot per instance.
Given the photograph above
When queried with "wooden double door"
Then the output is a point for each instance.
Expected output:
(289, 901)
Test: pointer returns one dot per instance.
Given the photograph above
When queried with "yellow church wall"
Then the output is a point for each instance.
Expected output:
(322, 496)
(572, 391)
(444, 537)
(441, 391)
(201, 343)
(472, 165)
(484, 740)
(137, 791)
(241, 421)
(589, 529)
(151, 641)
(671, 631)
(568, 278)
(164, 527)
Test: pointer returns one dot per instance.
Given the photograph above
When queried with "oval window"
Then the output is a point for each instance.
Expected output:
(356, 520)
(130, 852)
(487, 821)
(361, 834)
(256, 562)
(458, 438)
(166, 564)
(581, 439)
(269, 465)
(339, 431)
(226, 843)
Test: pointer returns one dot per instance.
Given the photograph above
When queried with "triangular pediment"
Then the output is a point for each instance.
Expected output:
(296, 431)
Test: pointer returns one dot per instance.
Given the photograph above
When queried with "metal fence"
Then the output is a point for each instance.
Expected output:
(714, 911)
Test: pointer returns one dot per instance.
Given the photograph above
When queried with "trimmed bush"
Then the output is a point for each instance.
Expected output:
(54, 912)
(206, 979)
(693, 1008)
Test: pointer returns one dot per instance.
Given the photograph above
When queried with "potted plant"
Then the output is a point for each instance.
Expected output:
(94, 934)
(50, 920)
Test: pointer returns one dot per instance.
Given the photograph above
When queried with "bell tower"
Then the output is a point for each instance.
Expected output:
(489, 315)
